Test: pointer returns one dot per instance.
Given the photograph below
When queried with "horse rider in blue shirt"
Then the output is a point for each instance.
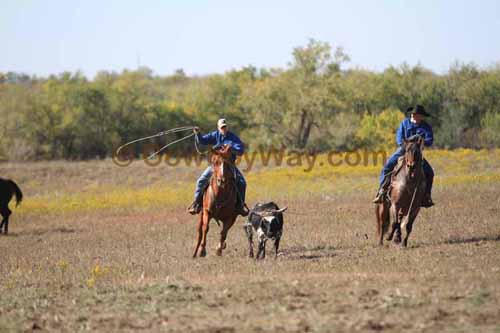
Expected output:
(415, 125)
(219, 139)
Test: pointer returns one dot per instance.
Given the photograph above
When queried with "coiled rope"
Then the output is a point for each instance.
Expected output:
(163, 133)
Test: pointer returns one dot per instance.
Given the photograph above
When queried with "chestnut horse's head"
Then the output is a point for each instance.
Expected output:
(222, 166)
(413, 155)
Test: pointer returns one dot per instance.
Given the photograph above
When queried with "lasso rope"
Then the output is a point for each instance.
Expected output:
(170, 131)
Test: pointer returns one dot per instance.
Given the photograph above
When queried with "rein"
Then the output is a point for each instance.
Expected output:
(413, 198)
(417, 181)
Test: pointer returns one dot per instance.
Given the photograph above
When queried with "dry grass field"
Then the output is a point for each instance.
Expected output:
(99, 247)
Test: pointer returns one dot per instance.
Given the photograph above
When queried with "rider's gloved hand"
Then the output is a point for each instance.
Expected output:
(415, 137)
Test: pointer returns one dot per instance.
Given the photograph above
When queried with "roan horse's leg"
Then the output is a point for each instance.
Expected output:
(379, 210)
(408, 225)
(226, 225)
(395, 221)
(397, 237)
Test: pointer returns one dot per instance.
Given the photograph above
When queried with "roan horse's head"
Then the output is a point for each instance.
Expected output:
(222, 165)
(413, 155)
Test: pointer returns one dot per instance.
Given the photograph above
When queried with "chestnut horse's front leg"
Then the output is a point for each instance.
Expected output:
(226, 225)
(199, 230)
(205, 220)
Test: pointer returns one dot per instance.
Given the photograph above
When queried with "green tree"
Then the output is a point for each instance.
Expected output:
(379, 131)
(490, 132)
(286, 107)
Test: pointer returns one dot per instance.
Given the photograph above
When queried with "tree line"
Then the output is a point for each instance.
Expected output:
(314, 103)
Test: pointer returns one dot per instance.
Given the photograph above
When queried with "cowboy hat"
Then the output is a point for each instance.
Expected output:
(417, 109)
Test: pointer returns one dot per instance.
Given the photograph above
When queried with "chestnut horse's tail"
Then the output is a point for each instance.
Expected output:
(16, 191)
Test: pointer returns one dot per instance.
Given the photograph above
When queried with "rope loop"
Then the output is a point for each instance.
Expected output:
(163, 133)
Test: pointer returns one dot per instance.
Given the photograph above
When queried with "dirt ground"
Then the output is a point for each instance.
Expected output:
(131, 269)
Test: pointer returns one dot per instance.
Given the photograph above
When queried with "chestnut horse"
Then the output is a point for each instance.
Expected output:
(406, 193)
(219, 201)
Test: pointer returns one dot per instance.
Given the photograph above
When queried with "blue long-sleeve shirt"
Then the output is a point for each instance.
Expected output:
(215, 138)
(407, 129)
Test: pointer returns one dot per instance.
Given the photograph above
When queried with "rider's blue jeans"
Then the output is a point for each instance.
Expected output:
(393, 160)
(202, 183)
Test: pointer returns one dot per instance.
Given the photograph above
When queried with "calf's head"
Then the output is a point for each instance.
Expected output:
(271, 225)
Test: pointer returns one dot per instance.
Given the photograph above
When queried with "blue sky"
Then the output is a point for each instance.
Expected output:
(202, 37)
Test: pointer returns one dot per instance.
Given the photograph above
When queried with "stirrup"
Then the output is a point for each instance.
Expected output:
(379, 198)
(195, 208)
(243, 210)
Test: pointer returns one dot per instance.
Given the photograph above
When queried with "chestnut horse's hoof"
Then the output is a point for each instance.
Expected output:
(203, 253)
(219, 252)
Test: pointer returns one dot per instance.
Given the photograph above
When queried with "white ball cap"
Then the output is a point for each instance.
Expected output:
(221, 123)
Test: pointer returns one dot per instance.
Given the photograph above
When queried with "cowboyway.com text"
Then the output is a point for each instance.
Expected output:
(261, 158)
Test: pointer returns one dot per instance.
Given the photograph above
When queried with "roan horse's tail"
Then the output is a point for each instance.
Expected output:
(17, 191)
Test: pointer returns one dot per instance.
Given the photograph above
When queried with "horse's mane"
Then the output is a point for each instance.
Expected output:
(412, 145)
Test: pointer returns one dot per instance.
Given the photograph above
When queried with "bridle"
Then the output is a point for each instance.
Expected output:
(412, 158)
(221, 177)
(412, 166)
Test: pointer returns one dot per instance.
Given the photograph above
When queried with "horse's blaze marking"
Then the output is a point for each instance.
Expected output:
(224, 212)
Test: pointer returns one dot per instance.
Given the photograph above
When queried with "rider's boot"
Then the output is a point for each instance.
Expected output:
(195, 207)
(241, 208)
(380, 196)
(382, 191)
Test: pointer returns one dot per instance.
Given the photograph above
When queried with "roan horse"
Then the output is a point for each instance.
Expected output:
(7, 189)
(219, 201)
(406, 193)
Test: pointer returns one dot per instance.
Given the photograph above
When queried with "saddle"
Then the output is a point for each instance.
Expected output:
(398, 166)
(395, 171)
